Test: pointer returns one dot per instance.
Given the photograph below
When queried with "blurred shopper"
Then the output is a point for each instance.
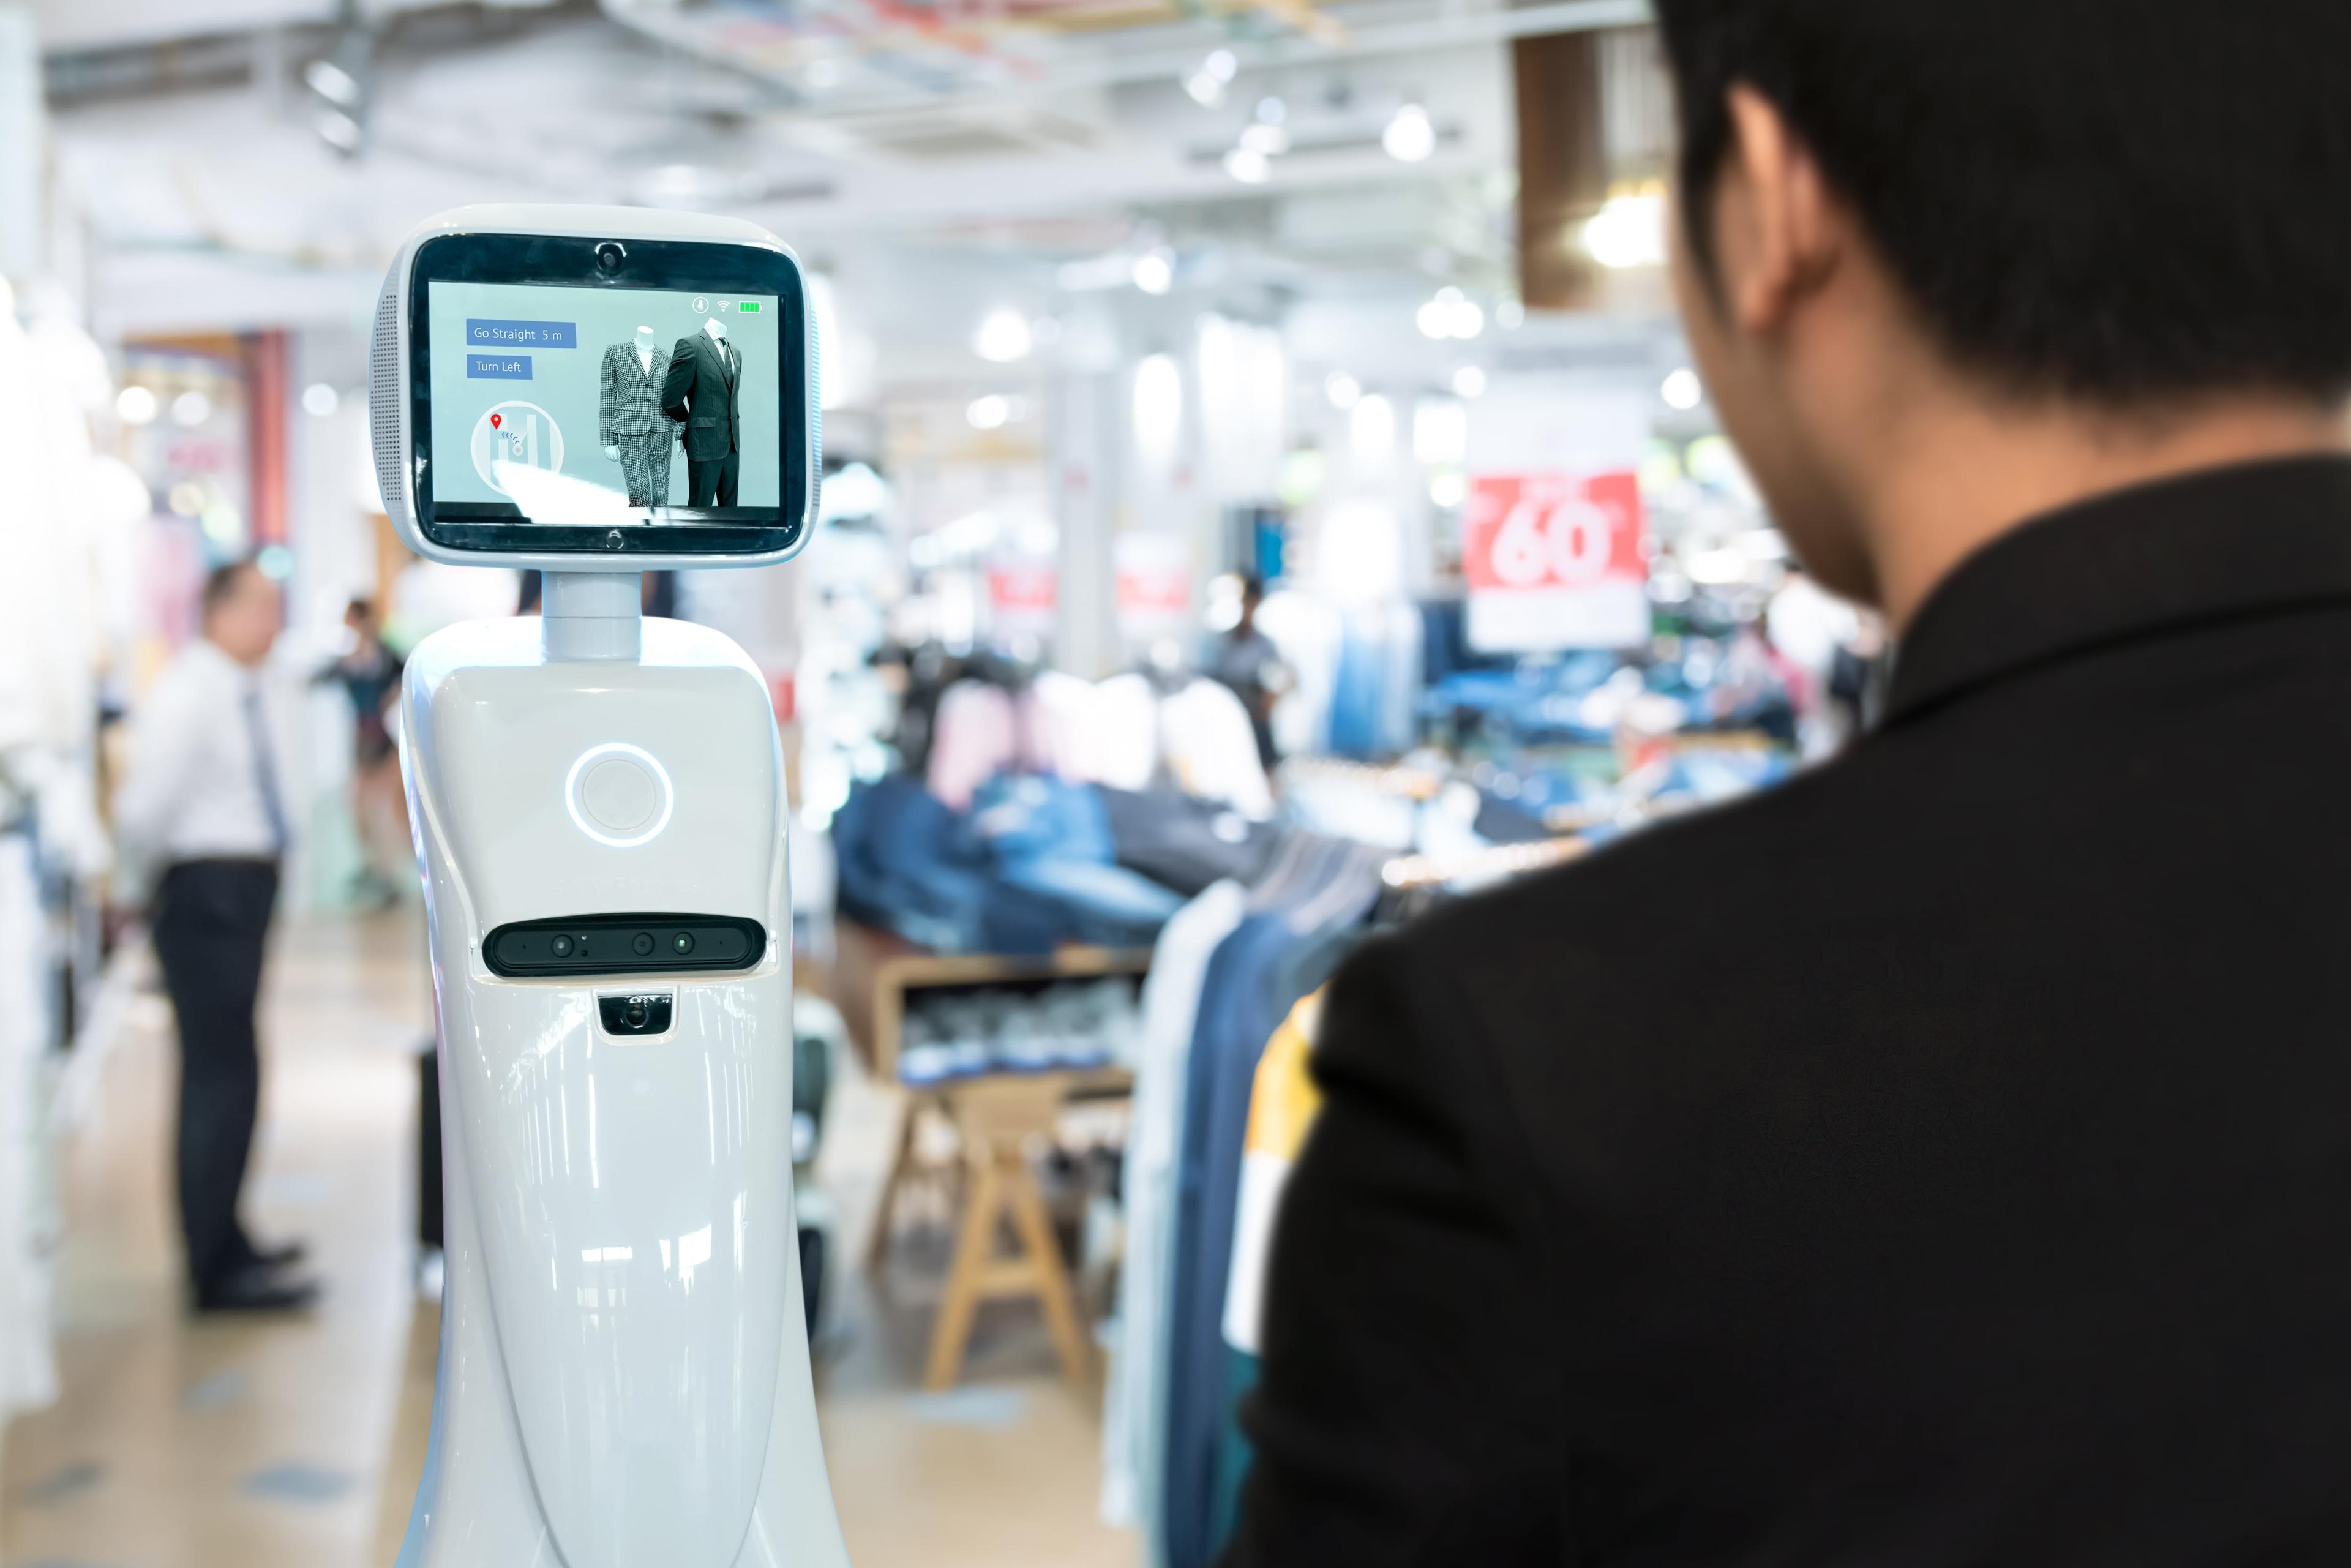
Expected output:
(1967, 1177)
(203, 802)
(369, 673)
(1248, 663)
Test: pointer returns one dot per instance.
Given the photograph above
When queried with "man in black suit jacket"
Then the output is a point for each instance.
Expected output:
(704, 388)
(1946, 1158)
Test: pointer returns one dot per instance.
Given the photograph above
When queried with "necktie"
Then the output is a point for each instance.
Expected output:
(265, 773)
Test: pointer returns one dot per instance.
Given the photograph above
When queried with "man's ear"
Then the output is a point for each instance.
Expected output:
(1777, 238)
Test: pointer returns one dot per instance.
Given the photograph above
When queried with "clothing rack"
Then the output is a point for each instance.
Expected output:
(1499, 860)
(1394, 778)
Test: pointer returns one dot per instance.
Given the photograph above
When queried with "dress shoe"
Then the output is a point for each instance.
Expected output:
(284, 1255)
(257, 1288)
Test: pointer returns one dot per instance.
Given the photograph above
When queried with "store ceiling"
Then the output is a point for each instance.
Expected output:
(1034, 134)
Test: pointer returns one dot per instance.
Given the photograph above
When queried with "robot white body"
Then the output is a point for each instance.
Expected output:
(625, 1373)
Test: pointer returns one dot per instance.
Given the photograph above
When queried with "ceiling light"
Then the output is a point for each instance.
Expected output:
(1409, 137)
(340, 130)
(988, 412)
(1248, 165)
(1510, 315)
(1683, 390)
(333, 83)
(1207, 86)
(1268, 139)
(191, 409)
(1272, 111)
(1003, 336)
(1448, 490)
(1469, 380)
(320, 400)
(1341, 389)
(1449, 313)
(1154, 271)
(136, 405)
(1629, 229)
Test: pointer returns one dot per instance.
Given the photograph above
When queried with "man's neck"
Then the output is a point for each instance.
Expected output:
(232, 658)
(1945, 487)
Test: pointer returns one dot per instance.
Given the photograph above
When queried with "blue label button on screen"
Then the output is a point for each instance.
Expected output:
(497, 367)
(483, 333)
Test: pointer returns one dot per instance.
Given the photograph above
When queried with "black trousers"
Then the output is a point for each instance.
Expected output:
(211, 922)
(710, 481)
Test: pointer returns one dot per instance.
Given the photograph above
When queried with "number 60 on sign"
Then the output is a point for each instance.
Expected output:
(1554, 561)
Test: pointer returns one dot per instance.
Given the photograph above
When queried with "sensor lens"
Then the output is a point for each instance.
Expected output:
(644, 943)
(561, 947)
(683, 941)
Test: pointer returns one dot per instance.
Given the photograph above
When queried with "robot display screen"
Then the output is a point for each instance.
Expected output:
(569, 394)
(588, 405)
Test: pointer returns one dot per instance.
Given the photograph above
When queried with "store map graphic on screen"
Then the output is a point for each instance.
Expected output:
(538, 390)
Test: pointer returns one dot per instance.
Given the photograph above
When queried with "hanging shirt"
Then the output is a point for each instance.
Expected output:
(206, 777)
(1134, 1397)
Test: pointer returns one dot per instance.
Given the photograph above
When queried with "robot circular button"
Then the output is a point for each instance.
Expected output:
(618, 795)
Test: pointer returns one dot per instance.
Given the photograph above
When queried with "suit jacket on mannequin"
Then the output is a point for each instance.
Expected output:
(702, 389)
(631, 403)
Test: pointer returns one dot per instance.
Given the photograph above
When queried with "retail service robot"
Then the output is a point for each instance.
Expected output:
(599, 812)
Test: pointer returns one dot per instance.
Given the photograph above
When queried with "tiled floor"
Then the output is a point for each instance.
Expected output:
(183, 1444)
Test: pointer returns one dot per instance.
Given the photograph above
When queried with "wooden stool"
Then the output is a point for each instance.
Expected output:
(998, 1117)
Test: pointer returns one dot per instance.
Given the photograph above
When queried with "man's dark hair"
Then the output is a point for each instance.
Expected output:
(222, 581)
(2126, 201)
(362, 607)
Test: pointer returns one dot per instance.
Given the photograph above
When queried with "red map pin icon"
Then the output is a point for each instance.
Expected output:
(496, 420)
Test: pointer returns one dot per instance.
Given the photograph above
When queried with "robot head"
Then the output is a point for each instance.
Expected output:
(519, 420)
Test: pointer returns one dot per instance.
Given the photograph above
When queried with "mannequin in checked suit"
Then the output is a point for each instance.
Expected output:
(632, 429)
(704, 390)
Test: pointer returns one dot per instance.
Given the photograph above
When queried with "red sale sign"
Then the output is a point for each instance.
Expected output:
(1022, 597)
(1554, 561)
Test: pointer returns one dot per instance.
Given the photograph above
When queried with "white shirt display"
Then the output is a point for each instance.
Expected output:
(191, 788)
(28, 1375)
(1121, 733)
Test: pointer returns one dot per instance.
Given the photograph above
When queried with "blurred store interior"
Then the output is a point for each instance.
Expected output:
(1260, 460)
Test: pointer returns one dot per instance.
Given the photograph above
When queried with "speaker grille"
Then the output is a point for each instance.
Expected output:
(383, 398)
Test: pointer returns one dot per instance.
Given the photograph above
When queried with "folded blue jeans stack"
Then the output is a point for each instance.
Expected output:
(1053, 841)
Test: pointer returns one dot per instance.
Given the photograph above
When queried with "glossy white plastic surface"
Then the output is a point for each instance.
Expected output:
(624, 1377)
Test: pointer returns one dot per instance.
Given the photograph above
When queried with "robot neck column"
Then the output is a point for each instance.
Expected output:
(591, 615)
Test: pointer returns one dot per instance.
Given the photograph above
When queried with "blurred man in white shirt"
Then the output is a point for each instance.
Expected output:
(202, 811)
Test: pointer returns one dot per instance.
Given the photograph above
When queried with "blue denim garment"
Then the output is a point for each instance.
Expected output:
(1053, 841)
(907, 866)
(1027, 818)
(1105, 905)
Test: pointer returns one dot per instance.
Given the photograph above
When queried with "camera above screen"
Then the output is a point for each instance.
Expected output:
(596, 388)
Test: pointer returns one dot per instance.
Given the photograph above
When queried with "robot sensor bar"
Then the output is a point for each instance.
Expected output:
(589, 944)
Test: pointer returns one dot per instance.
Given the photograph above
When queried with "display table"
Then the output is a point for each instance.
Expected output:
(998, 1117)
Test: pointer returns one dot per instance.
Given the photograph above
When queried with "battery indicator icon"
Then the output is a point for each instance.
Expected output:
(749, 307)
